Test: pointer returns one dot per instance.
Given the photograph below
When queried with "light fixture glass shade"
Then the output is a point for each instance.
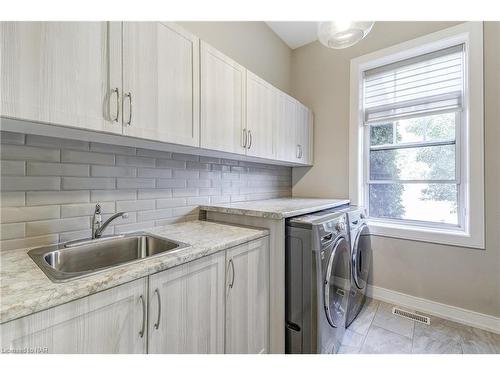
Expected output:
(342, 34)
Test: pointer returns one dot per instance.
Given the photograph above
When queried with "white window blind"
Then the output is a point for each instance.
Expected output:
(428, 83)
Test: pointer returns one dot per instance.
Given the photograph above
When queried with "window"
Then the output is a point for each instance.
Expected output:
(412, 110)
(416, 129)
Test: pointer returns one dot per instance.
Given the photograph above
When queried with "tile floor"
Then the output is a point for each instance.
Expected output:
(377, 330)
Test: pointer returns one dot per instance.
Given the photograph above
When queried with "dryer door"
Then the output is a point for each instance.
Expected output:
(361, 257)
(337, 281)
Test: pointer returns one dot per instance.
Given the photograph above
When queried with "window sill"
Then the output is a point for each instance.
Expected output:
(443, 236)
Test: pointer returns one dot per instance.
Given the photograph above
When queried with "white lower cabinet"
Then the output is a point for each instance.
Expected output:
(112, 321)
(190, 314)
(215, 304)
(187, 307)
(247, 298)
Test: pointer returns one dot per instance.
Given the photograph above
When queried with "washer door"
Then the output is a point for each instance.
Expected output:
(337, 280)
(361, 257)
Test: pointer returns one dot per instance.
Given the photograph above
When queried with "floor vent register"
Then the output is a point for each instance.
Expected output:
(411, 315)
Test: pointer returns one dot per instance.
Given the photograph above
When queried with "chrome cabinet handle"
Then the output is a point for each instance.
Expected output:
(232, 279)
(129, 96)
(297, 152)
(244, 138)
(117, 92)
(143, 328)
(157, 324)
(300, 151)
(250, 139)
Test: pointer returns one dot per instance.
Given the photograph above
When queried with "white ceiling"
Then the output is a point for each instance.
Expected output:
(295, 34)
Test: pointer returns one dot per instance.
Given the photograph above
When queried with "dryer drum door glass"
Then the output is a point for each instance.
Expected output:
(337, 283)
(361, 257)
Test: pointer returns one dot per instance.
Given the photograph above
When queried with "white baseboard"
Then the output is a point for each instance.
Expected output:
(453, 313)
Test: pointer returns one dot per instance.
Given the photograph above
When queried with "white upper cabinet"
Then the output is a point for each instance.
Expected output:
(160, 83)
(150, 80)
(64, 73)
(286, 147)
(294, 131)
(262, 115)
(310, 137)
(222, 98)
(303, 134)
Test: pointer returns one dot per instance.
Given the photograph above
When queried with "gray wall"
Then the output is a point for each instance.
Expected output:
(252, 44)
(457, 276)
(49, 187)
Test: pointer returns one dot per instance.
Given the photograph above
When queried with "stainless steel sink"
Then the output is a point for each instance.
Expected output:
(73, 260)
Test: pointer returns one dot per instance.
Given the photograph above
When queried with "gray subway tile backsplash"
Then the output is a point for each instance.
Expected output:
(37, 228)
(56, 169)
(171, 183)
(135, 183)
(38, 198)
(12, 198)
(85, 209)
(167, 163)
(42, 141)
(10, 231)
(12, 138)
(112, 195)
(135, 205)
(50, 187)
(13, 168)
(78, 183)
(22, 152)
(153, 193)
(135, 161)
(28, 242)
(71, 156)
(110, 171)
(154, 172)
(112, 149)
(24, 214)
(171, 202)
(17, 183)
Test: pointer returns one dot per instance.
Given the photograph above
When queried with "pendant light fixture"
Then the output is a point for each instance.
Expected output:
(342, 34)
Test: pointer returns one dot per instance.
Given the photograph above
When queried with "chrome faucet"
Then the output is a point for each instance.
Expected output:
(97, 226)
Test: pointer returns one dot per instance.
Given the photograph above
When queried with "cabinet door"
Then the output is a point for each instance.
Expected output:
(64, 73)
(286, 145)
(309, 153)
(222, 101)
(105, 322)
(302, 134)
(262, 111)
(247, 298)
(187, 307)
(160, 82)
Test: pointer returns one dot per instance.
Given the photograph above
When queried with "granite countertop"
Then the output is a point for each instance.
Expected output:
(279, 208)
(24, 288)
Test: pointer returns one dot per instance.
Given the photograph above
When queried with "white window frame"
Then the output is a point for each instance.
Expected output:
(469, 138)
